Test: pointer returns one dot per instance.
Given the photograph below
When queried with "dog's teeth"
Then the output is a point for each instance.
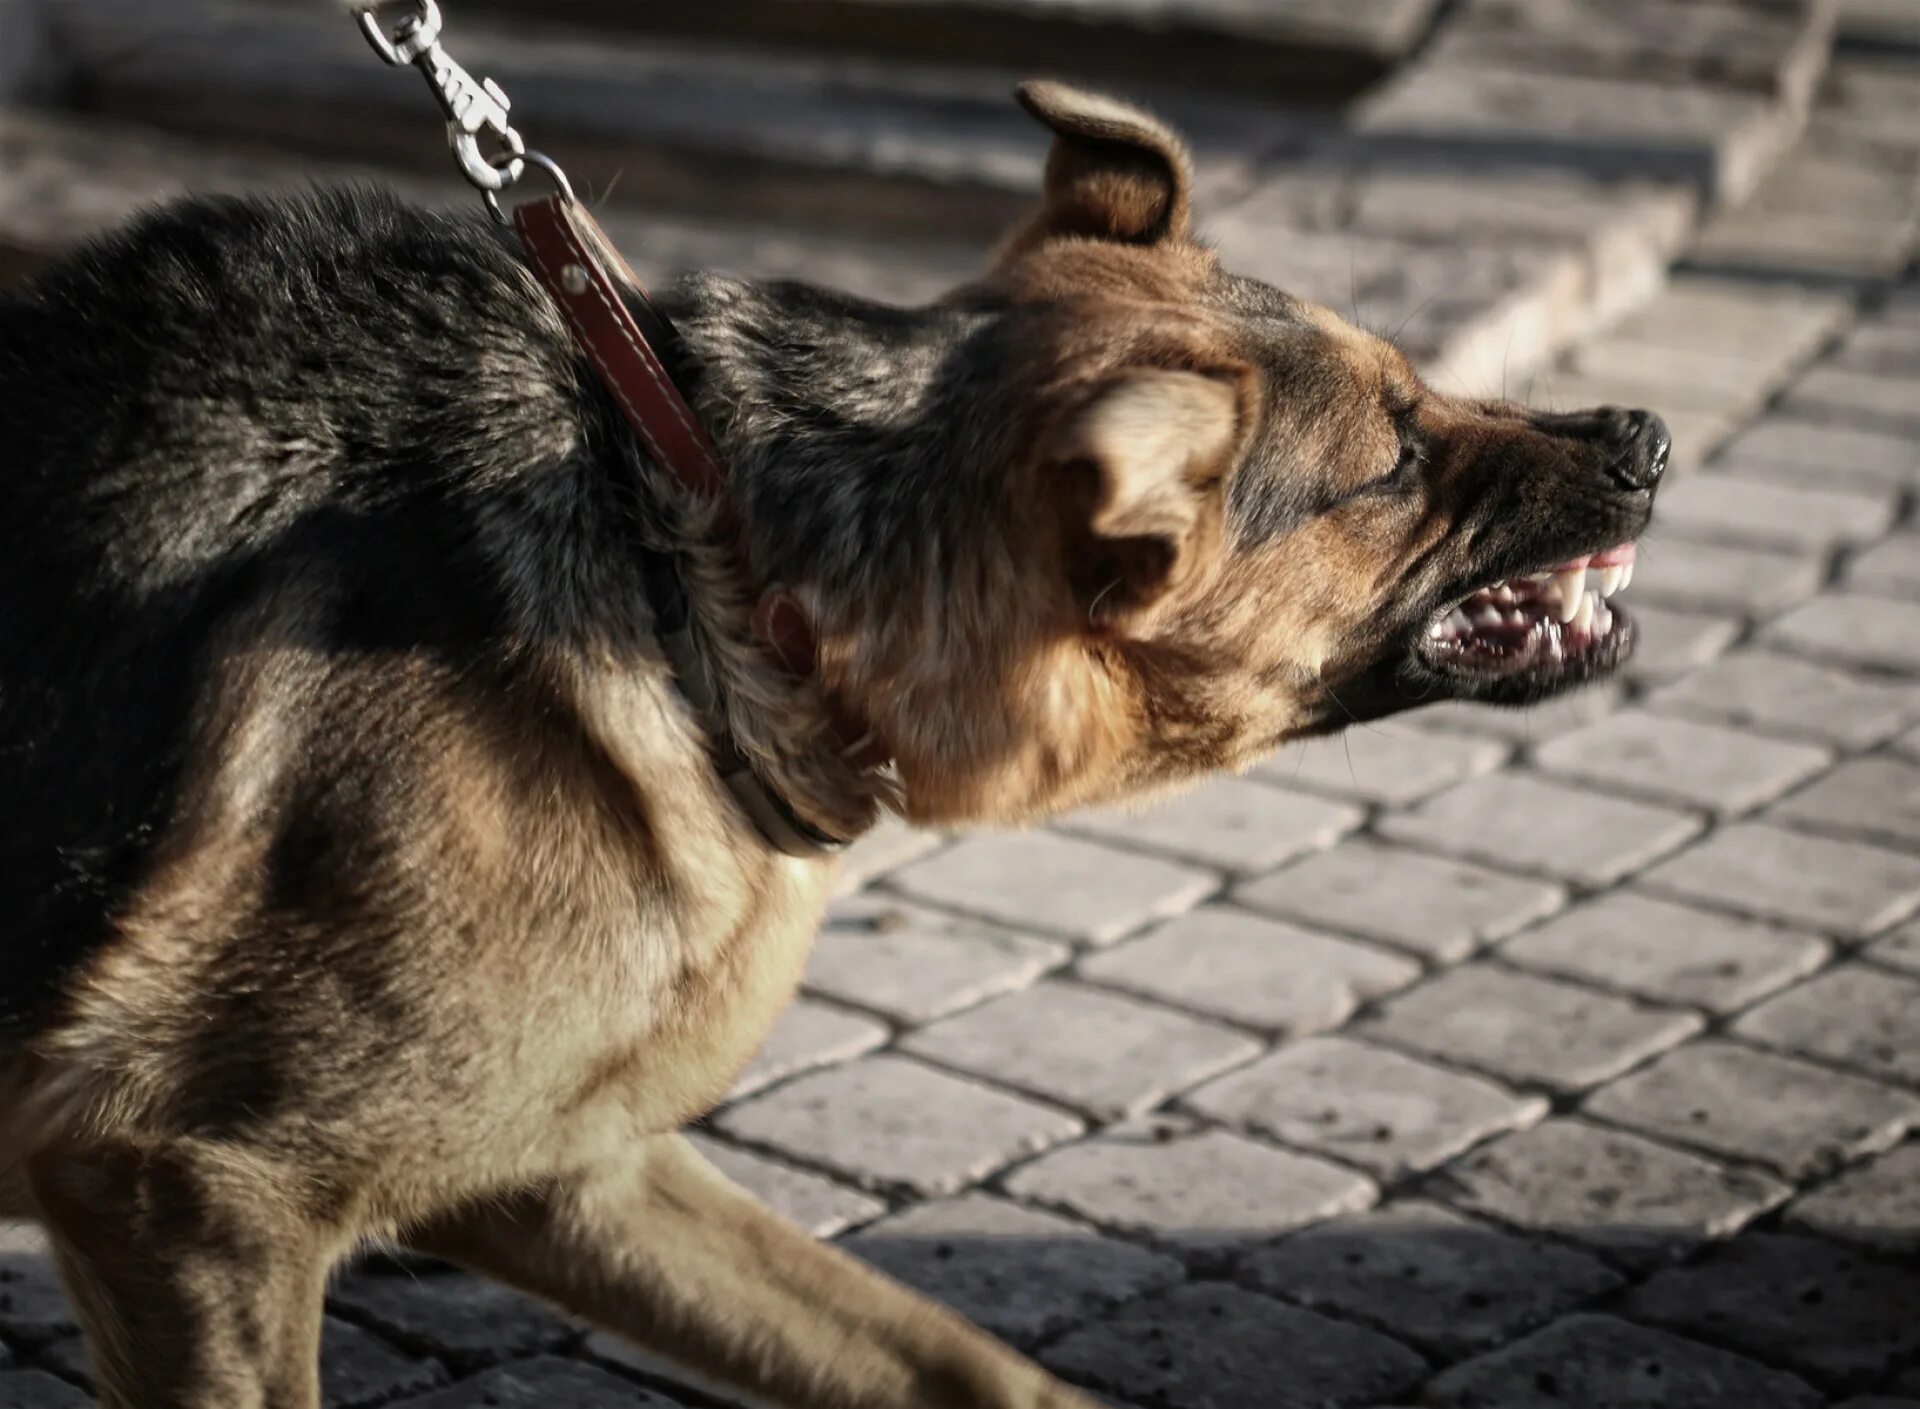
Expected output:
(1487, 615)
(1571, 586)
(1602, 620)
(1626, 576)
(1583, 614)
(1610, 580)
(1539, 576)
(1516, 617)
(1457, 623)
(1503, 594)
(1438, 631)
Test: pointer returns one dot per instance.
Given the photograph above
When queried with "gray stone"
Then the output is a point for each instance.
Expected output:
(467, 1322)
(1723, 577)
(1854, 1015)
(1369, 1106)
(1773, 324)
(1791, 696)
(1104, 1053)
(1529, 725)
(1439, 908)
(818, 1205)
(359, 1370)
(1741, 381)
(30, 1389)
(1672, 642)
(1674, 760)
(1820, 245)
(1861, 399)
(1448, 1285)
(1527, 823)
(1835, 1314)
(33, 1304)
(1020, 1273)
(1843, 888)
(1230, 824)
(1193, 1190)
(1890, 567)
(1383, 763)
(888, 1120)
(1796, 1117)
(1854, 630)
(1209, 1346)
(1666, 952)
(1814, 453)
(891, 843)
(1591, 1361)
(1901, 949)
(1877, 1203)
(1260, 973)
(542, 1384)
(1057, 884)
(1527, 1029)
(1636, 1201)
(1733, 508)
(1883, 348)
(913, 964)
(808, 1034)
(1873, 797)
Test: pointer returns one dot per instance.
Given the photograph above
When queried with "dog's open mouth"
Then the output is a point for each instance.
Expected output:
(1538, 630)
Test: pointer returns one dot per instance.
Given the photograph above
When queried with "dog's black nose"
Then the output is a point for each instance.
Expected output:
(1644, 444)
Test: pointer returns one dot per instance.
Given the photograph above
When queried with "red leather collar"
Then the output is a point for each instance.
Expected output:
(598, 293)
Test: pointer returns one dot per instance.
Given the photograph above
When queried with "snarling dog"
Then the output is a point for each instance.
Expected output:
(366, 875)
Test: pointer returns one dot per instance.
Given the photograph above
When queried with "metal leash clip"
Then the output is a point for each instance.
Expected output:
(473, 105)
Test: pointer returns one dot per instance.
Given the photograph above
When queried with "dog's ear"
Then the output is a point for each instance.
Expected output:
(1114, 173)
(1141, 467)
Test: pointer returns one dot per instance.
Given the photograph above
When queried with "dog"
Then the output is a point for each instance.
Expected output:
(368, 878)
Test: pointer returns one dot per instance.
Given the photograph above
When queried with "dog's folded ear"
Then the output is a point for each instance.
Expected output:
(1141, 469)
(1114, 174)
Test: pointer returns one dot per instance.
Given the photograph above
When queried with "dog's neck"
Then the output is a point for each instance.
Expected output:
(839, 422)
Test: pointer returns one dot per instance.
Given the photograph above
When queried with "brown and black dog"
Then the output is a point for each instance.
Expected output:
(364, 876)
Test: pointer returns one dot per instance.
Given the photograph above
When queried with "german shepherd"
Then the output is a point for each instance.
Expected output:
(367, 877)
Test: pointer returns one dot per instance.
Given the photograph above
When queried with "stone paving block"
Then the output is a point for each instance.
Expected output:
(463, 1320)
(1198, 1190)
(1818, 245)
(1376, 1108)
(1854, 630)
(1742, 380)
(1527, 823)
(1733, 508)
(1723, 577)
(1229, 824)
(543, 1384)
(1527, 1029)
(30, 1389)
(359, 1370)
(1900, 950)
(1442, 909)
(1844, 888)
(1697, 438)
(1855, 1015)
(1444, 1283)
(1531, 724)
(1666, 952)
(1812, 452)
(808, 1034)
(1890, 567)
(1796, 1117)
(33, 1304)
(1908, 744)
(1677, 761)
(1018, 1272)
(1211, 1346)
(913, 964)
(1672, 642)
(1629, 1198)
(1261, 973)
(1100, 1052)
(1385, 763)
(1624, 384)
(1860, 399)
(1885, 349)
(1057, 884)
(889, 844)
(1875, 797)
(1775, 324)
(1877, 1202)
(885, 1119)
(1787, 695)
(818, 1205)
(1598, 1360)
(1838, 1316)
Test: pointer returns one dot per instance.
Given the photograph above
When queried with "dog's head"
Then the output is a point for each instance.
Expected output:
(1238, 518)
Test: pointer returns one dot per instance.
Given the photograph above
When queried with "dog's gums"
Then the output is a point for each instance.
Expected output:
(1537, 630)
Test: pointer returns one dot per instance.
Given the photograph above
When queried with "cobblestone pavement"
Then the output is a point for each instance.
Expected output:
(1475, 1060)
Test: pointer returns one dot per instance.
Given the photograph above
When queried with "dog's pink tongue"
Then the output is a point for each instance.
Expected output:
(1617, 556)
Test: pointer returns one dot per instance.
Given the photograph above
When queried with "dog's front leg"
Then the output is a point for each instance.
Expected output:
(669, 1254)
(196, 1281)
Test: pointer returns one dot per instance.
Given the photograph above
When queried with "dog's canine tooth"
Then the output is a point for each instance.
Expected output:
(1457, 623)
(1626, 576)
(1610, 580)
(1583, 614)
(1571, 586)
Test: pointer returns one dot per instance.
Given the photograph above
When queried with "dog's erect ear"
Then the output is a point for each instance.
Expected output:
(1114, 174)
(1142, 466)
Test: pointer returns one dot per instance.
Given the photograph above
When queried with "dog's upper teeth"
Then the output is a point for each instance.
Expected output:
(1583, 614)
(1570, 585)
(1626, 576)
(1457, 622)
(1487, 614)
(1610, 580)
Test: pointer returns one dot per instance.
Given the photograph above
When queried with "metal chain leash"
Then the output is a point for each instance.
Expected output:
(474, 107)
